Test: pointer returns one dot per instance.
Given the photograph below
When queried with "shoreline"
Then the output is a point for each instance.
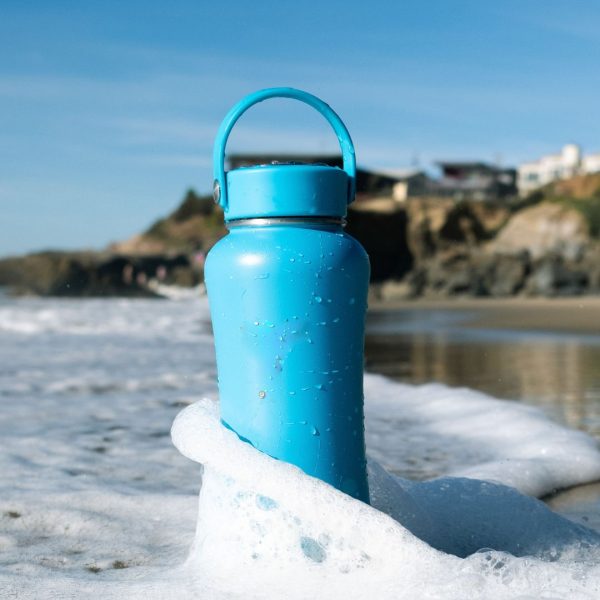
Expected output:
(576, 316)
(579, 315)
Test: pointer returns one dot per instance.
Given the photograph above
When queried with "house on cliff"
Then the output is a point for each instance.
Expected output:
(570, 161)
(476, 181)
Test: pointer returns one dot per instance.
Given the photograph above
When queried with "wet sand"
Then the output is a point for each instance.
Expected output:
(579, 315)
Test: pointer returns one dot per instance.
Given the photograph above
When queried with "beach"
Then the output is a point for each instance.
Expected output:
(579, 315)
(97, 501)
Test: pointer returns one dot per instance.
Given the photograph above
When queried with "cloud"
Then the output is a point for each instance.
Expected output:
(146, 131)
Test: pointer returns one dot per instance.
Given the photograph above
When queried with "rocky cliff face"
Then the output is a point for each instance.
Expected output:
(546, 249)
(548, 228)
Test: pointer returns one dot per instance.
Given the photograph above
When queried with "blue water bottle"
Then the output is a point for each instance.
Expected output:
(288, 295)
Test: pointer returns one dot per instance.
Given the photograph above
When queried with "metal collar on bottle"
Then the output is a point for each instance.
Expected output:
(298, 221)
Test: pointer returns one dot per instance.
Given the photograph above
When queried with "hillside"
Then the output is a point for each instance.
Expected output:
(581, 193)
(195, 225)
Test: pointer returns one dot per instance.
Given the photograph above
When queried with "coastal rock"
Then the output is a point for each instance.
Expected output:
(553, 276)
(467, 271)
(383, 235)
(92, 274)
(592, 266)
(394, 290)
(549, 228)
(436, 224)
(506, 274)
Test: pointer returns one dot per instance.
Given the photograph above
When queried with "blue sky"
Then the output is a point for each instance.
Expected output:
(108, 109)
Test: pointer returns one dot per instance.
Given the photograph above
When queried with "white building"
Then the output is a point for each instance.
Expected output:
(569, 162)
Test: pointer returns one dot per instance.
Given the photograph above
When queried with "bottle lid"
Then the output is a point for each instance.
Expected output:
(286, 190)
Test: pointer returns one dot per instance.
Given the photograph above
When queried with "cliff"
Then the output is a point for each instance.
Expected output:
(546, 244)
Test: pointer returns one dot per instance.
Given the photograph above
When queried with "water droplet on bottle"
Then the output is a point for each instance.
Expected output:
(292, 259)
(318, 299)
(336, 320)
(292, 393)
(315, 431)
(262, 394)
(352, 301)
(256, 323)
(320, 386)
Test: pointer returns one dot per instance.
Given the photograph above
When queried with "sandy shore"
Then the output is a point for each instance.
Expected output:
(573, 315)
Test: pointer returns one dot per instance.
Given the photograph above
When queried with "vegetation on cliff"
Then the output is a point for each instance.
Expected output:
(581, 193)
(194, 226)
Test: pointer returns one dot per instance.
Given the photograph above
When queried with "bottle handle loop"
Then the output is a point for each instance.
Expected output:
(346, 145)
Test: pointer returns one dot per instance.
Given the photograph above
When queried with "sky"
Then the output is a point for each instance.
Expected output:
(108, 110)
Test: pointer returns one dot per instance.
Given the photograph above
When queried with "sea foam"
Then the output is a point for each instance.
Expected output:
(266, 528)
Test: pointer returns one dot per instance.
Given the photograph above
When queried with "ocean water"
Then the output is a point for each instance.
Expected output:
(97, 500)
(557, 371)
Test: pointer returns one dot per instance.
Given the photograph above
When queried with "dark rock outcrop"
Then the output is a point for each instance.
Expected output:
(384, 237)
(88, 274)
